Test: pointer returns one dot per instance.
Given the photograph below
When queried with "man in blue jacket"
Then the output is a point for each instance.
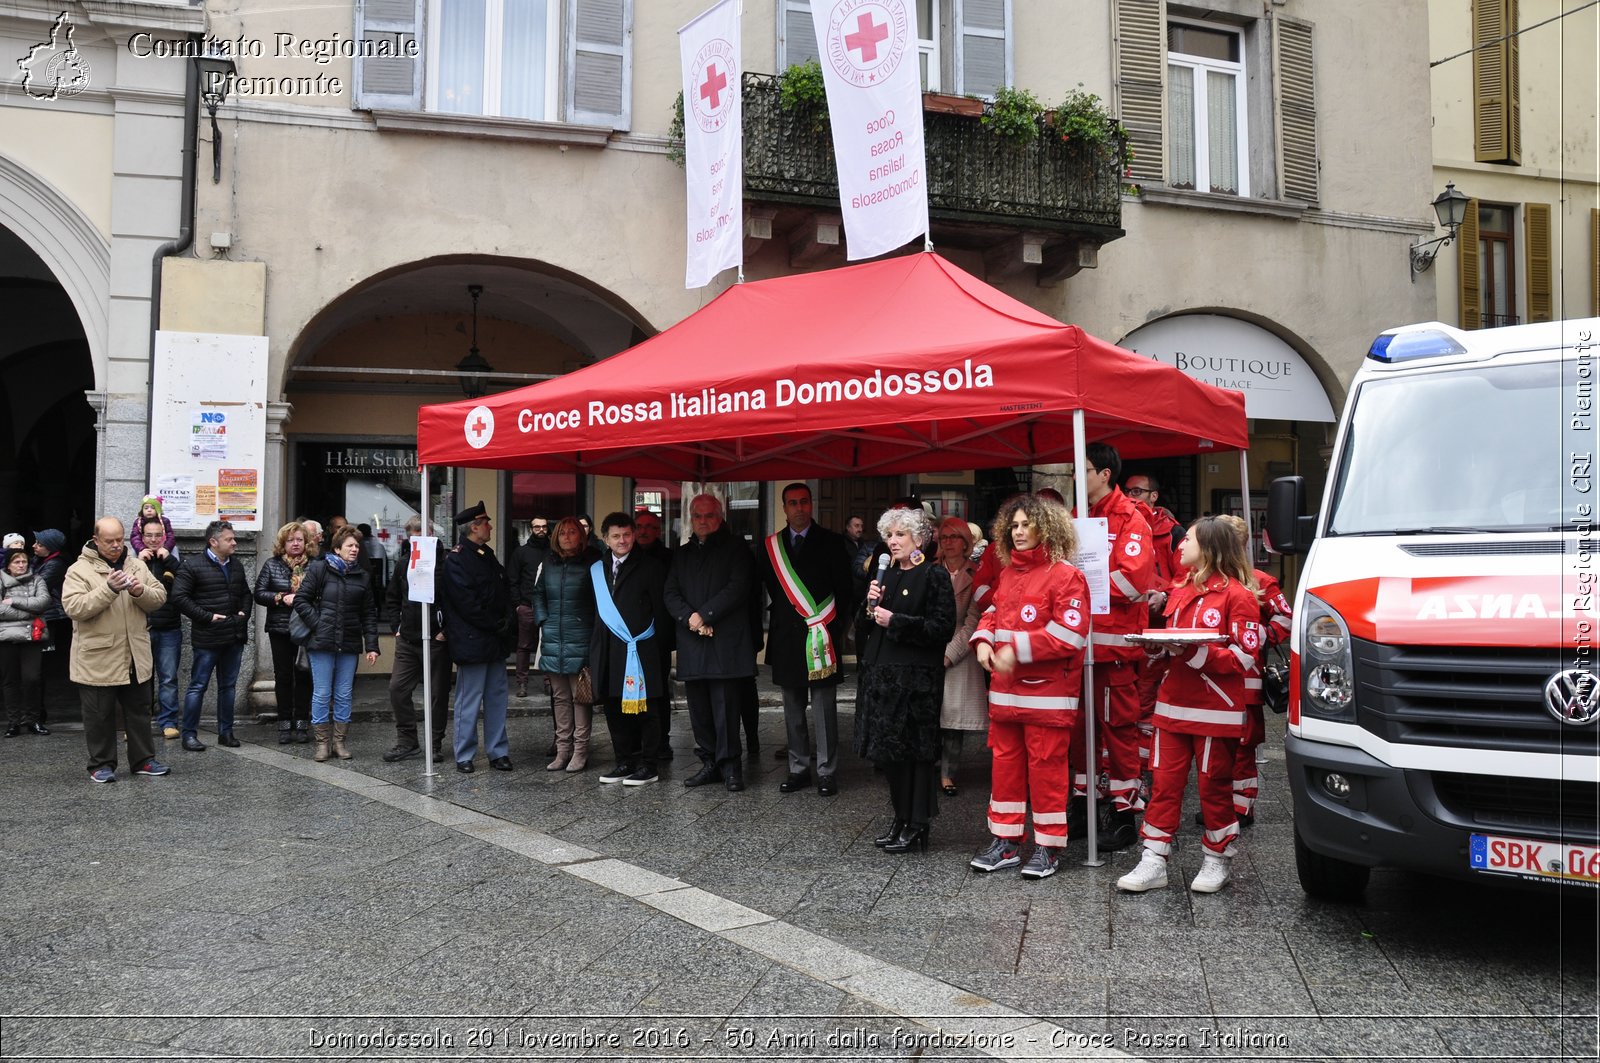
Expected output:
(479, 630)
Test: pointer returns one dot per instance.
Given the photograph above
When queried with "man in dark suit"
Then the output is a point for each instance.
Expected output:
(479, 632)
(212, 590)
(806, 569)
(629, 609)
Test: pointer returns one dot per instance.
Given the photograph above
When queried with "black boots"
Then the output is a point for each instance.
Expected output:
(894, 832)
(910, 838)
(1121, 832)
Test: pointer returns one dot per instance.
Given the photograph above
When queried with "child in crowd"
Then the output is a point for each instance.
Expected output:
(1200, 710)
(150, 509)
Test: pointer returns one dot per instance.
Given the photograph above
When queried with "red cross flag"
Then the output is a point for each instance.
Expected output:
(870, 67)
(713, 138)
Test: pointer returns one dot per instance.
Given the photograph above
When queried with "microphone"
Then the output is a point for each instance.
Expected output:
(883, 568)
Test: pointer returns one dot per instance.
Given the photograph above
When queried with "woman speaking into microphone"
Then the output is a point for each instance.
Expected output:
(910, 615)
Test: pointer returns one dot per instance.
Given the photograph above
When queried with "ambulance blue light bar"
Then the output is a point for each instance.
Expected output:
(1394, 347)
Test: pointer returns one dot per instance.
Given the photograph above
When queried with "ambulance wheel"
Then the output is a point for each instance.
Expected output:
(1326, 878)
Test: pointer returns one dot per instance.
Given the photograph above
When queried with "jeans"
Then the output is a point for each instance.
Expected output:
(333, 677)
(225, 662)
(165, 646)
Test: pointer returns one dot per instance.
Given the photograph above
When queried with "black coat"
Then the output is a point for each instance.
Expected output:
(201, 589)
(410, 612)
(479, 625)
(714, 578)
(165, 569)
(275, 578)
(638, 593)
(902, 666)
(824, 567)
(522, 569)
(340, 607)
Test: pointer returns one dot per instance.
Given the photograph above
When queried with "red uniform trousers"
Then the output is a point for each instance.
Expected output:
(1116, 703)
(1169, 768)
(1030, 767)
(1246, 777)
(1152, 670)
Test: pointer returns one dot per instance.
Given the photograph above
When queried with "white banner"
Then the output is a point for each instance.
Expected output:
(870, 67)
(420, 568)
(713, 142)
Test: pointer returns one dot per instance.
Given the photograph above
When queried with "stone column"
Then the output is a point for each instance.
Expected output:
(274, 483)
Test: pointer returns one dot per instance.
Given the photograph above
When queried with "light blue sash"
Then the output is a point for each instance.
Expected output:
(633, 691)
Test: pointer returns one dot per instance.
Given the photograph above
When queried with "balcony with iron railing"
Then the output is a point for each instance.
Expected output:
(1048, 203)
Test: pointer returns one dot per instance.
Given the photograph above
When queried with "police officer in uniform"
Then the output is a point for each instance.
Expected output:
(480, 630)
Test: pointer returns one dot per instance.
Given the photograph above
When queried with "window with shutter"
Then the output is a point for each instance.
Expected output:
(1496, 82)
(983, 51)
(493, 57)
(599, 72)
(797, 34)
(1471, 298)
(1141, 57)
(391, 80)
(1297, 110)
(1536, 235)
(1207, 128)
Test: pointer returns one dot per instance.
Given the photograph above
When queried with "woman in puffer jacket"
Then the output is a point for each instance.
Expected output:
(563, 606)
(277, 583)
(337, 602)
(24, 599)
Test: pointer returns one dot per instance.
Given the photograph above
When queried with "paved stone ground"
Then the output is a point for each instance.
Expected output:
(257, 905)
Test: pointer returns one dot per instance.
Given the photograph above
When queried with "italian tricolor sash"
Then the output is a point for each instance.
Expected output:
(821, 661)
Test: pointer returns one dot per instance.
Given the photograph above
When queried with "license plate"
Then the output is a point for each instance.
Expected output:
(1561, 861)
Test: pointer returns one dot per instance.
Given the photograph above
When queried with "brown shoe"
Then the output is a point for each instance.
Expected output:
(340, 732)
(319, 734)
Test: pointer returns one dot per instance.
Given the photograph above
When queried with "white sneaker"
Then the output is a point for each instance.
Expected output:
(1213, 874)
(1151, 874)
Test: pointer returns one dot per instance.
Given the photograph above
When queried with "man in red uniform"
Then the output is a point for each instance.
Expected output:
(1166, 533)
(1116, 694)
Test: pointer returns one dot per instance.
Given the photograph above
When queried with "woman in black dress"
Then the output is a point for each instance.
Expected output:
(909, 619)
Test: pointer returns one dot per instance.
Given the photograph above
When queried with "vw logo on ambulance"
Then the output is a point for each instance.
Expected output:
(1573, 697)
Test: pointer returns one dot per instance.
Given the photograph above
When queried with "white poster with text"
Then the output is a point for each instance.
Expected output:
(870, 67)
(713, 142)
(420, 568)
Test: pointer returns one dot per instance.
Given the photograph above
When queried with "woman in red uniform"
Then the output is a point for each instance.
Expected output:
(1275, 618)
(1200, 710)
(1032, 643)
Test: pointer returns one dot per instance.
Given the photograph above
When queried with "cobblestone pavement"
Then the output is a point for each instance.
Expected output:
(257, 905)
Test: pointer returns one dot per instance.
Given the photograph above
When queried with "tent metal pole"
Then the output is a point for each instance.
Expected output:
(427, 647)
(1091, 747)
(1244, 493)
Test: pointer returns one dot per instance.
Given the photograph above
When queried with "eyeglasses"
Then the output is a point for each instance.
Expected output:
(1136, 492)
(541, 527)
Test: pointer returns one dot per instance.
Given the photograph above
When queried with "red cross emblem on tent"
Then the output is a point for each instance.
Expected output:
(479, 427)
(867, 41)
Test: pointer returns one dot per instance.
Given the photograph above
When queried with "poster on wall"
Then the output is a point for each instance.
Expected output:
(208, 432)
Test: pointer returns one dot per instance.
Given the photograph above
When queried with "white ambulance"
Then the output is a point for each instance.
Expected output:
(1443, 700)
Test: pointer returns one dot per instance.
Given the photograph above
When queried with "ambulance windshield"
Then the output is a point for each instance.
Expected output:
(1476, 449)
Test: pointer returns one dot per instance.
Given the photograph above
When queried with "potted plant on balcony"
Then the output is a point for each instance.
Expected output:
(1082, 119)
(1015, 115)
(801, 88)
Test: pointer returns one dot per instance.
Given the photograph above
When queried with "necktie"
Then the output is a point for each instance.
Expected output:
(799, 541)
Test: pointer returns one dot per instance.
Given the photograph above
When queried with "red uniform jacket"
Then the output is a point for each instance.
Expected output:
(1042, 609)
(1133, 576)
(1275, 616)
(984, 580)
(1204, 691)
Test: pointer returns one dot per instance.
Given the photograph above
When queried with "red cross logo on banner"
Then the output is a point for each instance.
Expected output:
(867, 36)
(479, 427)
(416, 553)
(711, 89)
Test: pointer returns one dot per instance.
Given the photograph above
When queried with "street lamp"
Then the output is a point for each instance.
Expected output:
(474, 366)
(1451, 208)
(214, 72)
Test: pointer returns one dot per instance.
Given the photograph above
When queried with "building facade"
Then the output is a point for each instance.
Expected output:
(400, 182)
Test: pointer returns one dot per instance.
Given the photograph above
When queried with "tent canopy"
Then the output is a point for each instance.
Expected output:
(902, 365)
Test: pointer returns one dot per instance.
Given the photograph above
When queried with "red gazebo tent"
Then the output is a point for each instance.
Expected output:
(894, 366)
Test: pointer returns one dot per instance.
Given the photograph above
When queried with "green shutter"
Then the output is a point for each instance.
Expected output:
(1541, 295)
(1496, 82)
(1467, 273)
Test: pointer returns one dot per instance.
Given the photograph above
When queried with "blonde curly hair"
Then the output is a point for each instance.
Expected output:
(1053, 520)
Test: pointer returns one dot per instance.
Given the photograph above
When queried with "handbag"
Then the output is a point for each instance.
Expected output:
(41, 631)
(299, 630)
(1275, 684)
(583, 687)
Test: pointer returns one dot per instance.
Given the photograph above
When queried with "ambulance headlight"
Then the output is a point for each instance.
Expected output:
(1327, 669)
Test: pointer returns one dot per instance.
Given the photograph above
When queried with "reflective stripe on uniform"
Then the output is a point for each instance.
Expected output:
(1198, 660)
(1024, 643)
(1121, 581)
(1006, 830)
(1008, 807)
(1216, 717)
(1217, 690)
(1031, 701)
(1065, 634)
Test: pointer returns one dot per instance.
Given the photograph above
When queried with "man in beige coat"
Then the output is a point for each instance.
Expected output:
(107, 593)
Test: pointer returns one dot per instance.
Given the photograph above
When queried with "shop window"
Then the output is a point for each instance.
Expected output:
(664, 498)
(551, 495)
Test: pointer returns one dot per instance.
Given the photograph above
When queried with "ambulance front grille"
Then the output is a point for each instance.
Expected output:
(1542, 807)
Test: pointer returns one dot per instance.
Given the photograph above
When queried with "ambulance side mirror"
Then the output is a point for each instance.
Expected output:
(1289, 529)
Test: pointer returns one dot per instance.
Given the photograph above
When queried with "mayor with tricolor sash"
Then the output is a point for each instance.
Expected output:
(806, 569)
